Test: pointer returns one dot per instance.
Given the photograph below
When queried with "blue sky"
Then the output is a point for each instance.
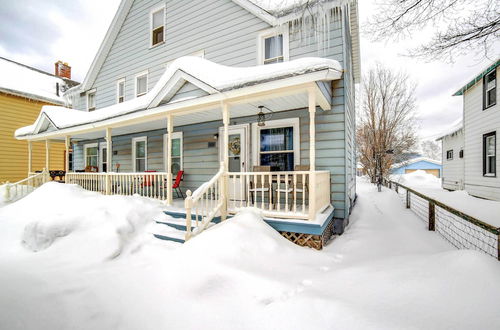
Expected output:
(38, 33)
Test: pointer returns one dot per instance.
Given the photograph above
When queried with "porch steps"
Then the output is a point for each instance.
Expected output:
(168, 233)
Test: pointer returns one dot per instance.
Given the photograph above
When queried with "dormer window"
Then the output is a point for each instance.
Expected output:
(157, 26)
(490, 89)
(273, 46)
(91, 100)
(141, 84)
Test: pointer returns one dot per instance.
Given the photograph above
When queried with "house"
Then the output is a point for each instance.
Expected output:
(453, 157)
(428, 165)
(254, 101)
(23, 92)
(478, 136)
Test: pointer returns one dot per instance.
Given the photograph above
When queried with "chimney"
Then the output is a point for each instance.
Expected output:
(62, 70)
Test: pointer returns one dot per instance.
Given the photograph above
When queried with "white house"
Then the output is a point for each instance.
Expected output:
(453, 157)
(481, 127)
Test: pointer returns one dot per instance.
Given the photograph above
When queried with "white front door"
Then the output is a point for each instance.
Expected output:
(238, 157)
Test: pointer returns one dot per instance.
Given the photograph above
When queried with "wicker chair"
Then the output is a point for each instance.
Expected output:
(259, 185)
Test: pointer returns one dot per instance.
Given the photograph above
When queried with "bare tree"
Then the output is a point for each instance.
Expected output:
(460, 26)
(386, 121)
(431, 149)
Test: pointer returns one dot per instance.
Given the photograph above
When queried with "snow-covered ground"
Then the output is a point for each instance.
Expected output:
(72, 259)
(427, 184)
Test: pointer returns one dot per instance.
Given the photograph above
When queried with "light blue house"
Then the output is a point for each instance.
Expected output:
(428, 165)
(252, 100)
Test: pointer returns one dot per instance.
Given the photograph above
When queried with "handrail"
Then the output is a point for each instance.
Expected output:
(205, 203)
(22, 188)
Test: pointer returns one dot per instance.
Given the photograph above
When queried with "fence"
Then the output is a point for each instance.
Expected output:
(461, 230)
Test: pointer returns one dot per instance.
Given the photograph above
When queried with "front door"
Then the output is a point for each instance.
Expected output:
(238, 158)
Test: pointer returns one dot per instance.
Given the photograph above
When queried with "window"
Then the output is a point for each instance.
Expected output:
(91, 152)
(70, 159)
(141, 84)
(461, 153)
(273, 46)
(490, 89)
(157, 26)
(176, 155)
(449, 155)
(103, 160)
(489, 154)
(278, 144)
(120, 91)
(91, 100)
(140, 154)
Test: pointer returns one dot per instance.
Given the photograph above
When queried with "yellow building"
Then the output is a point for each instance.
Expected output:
(23, 92)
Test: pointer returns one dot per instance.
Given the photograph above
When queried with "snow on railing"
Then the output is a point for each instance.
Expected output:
(459, 229)
(19, 189)
(205, 203)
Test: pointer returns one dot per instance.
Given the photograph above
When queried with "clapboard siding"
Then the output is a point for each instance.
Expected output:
(476, 123)
(453, 170)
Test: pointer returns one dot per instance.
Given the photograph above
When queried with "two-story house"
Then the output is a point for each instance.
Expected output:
(250, 103)
(470, 151)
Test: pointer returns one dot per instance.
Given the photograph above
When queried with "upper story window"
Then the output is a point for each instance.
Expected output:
(91, 100)
(490, 89)
(141, 84)
(157, 26)
(120, 91)
(449, 155)
(273, 46)
(489, 154)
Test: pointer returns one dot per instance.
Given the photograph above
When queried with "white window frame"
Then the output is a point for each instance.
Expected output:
(263, 35)
(137, 76)
(489, 172)
(151, 12)
(175, 135)
(87, 146)
(134, 141)
(91, 92)
(118, 82)
(288, 122)
(102, 146)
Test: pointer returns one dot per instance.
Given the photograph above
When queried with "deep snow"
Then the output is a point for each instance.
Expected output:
(72, 259)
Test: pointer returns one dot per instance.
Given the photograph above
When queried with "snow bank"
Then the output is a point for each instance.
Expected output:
(485, 210)
(70, 222)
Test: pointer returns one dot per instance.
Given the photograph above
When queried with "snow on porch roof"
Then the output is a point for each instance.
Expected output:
(209, 76)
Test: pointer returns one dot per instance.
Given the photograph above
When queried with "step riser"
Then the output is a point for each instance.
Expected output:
(174, 225)
(179, 215)
(166, 238)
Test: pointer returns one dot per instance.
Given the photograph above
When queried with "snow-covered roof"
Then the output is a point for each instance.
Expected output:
(273, 12)
(211, 77)
(416, 160)
(22, 80)
(454, 128)
(478, 78)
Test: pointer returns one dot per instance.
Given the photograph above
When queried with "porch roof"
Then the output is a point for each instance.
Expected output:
(216, 83)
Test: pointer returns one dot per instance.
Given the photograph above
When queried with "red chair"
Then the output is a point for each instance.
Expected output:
(177, 183)
(148, 179)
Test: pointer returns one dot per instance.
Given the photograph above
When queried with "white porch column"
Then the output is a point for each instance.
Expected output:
(225, 156)
(47, 155)
(30, 157)
(312, 152)
(168, 169)
(66, 160)
(109, 160)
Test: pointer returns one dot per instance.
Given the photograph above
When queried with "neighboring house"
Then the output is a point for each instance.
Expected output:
(428, 165)
(23, 92)
(453, 158)
(481, 130)
(188, 85)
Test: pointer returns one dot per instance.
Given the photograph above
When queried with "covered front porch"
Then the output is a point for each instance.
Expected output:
(262, 163)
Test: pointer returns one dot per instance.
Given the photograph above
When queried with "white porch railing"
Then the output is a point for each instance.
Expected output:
(17, 190)
(204, 204)
(148, 184)
(281, 194)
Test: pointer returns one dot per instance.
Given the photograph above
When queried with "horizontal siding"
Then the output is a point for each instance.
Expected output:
(453, 170)
(17, 112)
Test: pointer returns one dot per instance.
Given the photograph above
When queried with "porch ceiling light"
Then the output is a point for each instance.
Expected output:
(262, 117)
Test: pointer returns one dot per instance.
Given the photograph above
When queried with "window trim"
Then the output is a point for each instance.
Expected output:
(451, 153)
(288, 122)
(485, 90)
(136, 77)
(100, 158)
(90, 92)
(263, 35)
(151, 13)
(175, 135)
(87, 146)
(118, 82)
(494, 173)
(134, 141)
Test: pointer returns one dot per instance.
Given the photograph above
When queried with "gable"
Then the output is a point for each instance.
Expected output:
(187, 91)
